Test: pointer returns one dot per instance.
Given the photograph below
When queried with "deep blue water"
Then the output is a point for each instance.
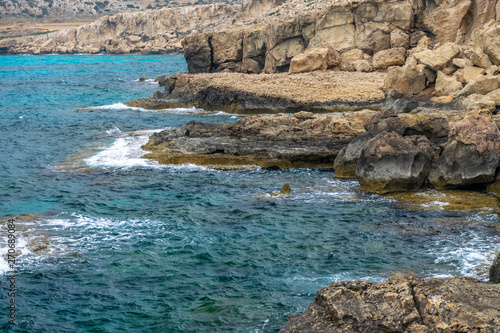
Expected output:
(138, 247)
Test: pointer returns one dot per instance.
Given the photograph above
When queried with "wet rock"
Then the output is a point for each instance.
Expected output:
(346, 161)
(285, 190)
(402, 304)
(142, 79)
(471, 155)
(391, 163)
(495, 270)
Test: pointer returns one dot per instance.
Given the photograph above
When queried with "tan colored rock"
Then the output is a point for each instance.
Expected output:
(450, 69)
(406, 78)
(459, 75)
(425, 43)
(481, 85)
(447, 20)
(48, 46)
(479, 58)
(447, 85)
(362, 66)
(282, 54)
(493, 70)
(399, 38)
(487, 38)
(471, 72)
(311, 60)
(227, 46)
(251, 66)
(478, 102)
(347, 59)
(495, 96)
(439, 58)
(333, 58)
(461, 62)
(390, 57)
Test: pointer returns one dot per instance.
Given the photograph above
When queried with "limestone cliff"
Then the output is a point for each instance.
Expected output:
(371, 26)
(152, 31)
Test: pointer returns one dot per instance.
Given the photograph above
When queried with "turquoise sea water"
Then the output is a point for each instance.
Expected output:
(139, 247)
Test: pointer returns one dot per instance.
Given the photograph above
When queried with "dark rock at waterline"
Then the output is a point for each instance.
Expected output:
(470, 156)
(302, 139)
(347, 160)
(387, 121)
(495, 270)
(391, 163)
(402, 304)
(435, 129)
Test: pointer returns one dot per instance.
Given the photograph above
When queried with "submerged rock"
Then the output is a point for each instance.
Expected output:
(285, 190)
(402, 304)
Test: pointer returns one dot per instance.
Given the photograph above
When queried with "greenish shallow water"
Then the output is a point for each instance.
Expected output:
(138, 247)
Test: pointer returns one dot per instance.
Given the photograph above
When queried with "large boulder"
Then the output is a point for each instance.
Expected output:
(387, 121)
(472, 72)
(407, 78)
(402, 304)
(346, 161)
(436, 130)
(471, 155)
(348, 58)
(197, 52)
(439, 58)
(319, 58)
(391, 57)
(481, 85)
(391, 163)
(487, 38)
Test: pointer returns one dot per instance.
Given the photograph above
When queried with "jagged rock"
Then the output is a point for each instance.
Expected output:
(478, 102)
(312, 60)
(487, 38)
(285, 190)
(459, 76)
(495, 270)
(362, 66)
(439, 58)
(399, 38)
(471, 72)
(391, 163)
(493, 70)
(406, 78)
(447, 85)
(197, 52)
(348, 58)
(386, 121)
(481, 85)
(436, 130)
(346, 161)
(461, 63)
(391, 57)
(447, 20)
(402, 304)
(471, 155)
(479, 58)
(495, 96)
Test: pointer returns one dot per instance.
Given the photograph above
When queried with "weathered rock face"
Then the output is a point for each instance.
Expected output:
(151, 31)
(402, 304)
(299, 140)
(471, 155)
(346, 161)
(391, 163)
(407, 78)
(320, 58)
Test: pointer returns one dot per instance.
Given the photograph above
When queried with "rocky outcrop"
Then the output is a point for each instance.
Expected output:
(402, 304)
(391, 163)
(278, 141)
(151, 31)
(241, 93)
(370, 26)
(471, 155)
(346, 161)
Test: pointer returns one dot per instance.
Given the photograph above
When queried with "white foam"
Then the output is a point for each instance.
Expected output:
(124, 153)
(116, 106)
(113, 130)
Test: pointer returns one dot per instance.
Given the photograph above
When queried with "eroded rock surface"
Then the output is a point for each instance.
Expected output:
(402, 304)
